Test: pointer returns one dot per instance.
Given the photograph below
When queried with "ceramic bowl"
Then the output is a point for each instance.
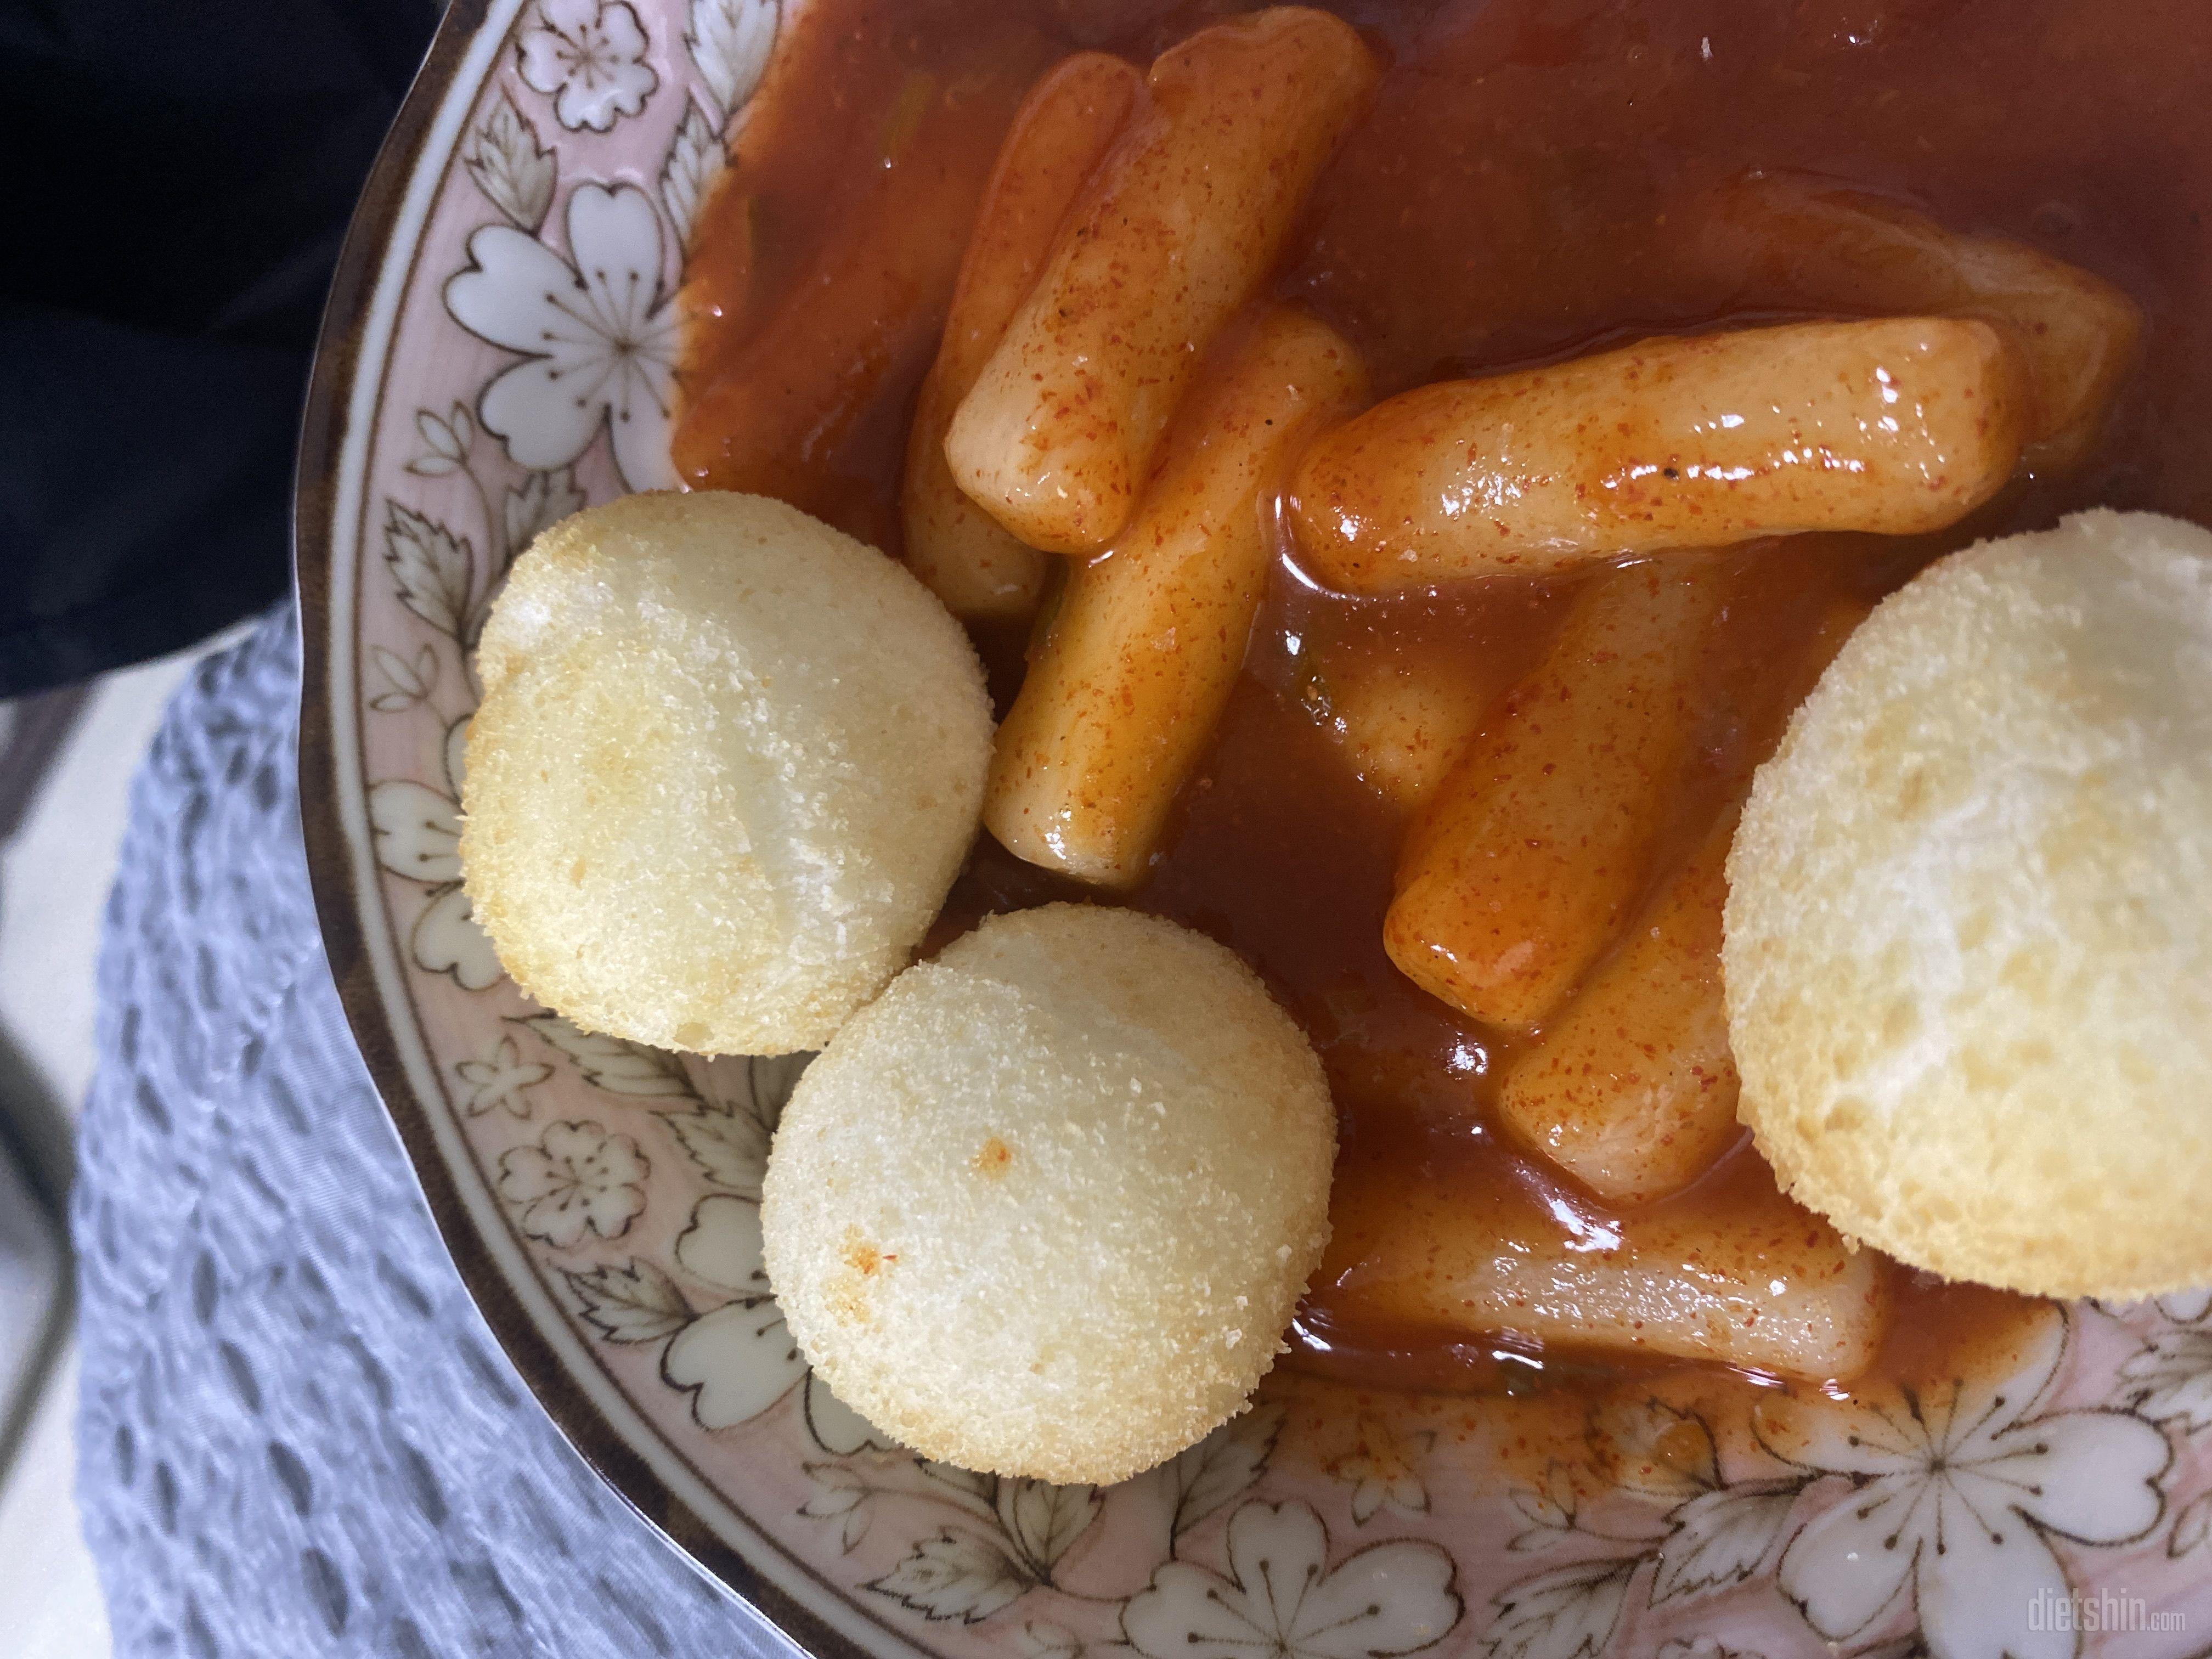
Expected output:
(499, 352)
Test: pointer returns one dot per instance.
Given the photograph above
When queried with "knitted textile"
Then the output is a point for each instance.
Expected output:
(296, 1435)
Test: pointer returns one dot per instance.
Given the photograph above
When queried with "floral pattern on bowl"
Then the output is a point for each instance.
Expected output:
(501, 350)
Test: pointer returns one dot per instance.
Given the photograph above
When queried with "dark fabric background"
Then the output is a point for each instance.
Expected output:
(178, 175)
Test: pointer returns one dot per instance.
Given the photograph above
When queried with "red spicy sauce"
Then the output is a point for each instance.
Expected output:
(1527, 186)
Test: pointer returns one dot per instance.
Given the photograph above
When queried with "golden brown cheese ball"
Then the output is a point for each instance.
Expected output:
(728, 762)
(1969, 930)
(1046, 1206)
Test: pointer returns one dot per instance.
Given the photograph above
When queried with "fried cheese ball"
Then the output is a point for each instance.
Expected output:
(1045, 1207)
(728, 762)
(1969, 927)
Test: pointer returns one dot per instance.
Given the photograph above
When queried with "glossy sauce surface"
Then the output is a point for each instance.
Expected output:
(1531, 183)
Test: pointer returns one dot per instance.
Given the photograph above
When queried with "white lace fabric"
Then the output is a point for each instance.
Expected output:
(296, 1435)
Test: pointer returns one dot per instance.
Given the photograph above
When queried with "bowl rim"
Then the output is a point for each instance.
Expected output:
(338, 898)
(344, 887)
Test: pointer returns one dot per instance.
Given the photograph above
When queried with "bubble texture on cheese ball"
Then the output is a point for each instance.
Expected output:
(1046, 1206)
(1969, 930)
(728, 763)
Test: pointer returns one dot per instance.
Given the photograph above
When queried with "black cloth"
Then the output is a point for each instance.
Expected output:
(178, 176)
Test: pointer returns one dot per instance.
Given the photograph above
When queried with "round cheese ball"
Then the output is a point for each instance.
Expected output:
(728, 763)
(1969, 926)
(1046, 1206)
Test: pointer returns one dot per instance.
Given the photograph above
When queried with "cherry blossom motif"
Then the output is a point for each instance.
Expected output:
(578, 1179)
(2176, 1306)
(836, 1426)
(598, 331)
(588, 56)
(418, 836)
(2184, 1307)
(2192, 1527)
(739, 1359)
(501, 1078)
(417, 831)
(1282, 1600)
(1956, 1496)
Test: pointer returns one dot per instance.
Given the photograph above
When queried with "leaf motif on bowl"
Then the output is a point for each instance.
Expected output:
(955, 1574)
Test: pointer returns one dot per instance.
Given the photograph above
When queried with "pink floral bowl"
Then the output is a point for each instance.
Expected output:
(499, 350)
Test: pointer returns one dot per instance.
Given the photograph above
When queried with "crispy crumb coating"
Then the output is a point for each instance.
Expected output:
(728, 763)
(1046, 1206)
(1969, 931)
